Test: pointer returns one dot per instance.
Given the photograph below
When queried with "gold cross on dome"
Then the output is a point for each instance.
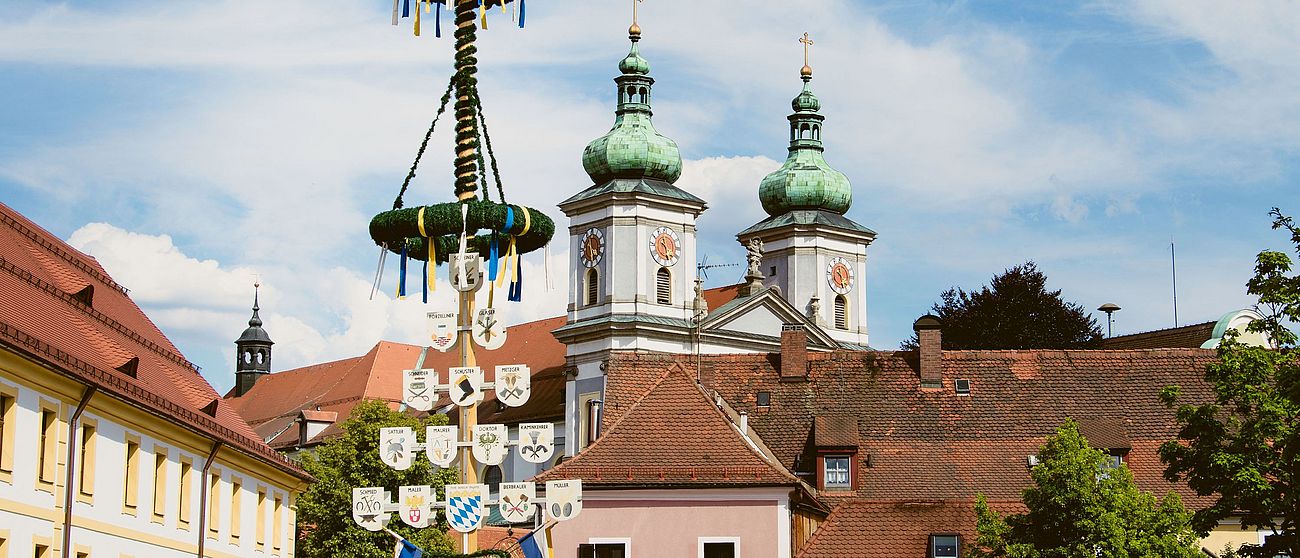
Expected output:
(806, 43)
(634, 3)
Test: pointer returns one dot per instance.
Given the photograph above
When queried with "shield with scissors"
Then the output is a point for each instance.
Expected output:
(417, 389)
(513, 384)
(414, 504)
(442, 330)
(395, 447)
(490, 443)
(536, 441)
(368, 507)
(563, 499)
(464, 383)
(440, 445)
(487, 330)
(516, 501)
(466, 504)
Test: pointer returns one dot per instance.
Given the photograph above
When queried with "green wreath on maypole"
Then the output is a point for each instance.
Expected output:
(431, 233)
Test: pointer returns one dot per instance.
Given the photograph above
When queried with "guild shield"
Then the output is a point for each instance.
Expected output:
(466, 506)
(473, 273)
(442, 330)
(417, 389)
(440, 445)
(368, 507)
(516, 501)
(487, 330)
(395, 447)
(490, 443)
(536, 441)
(464, 383)
(513, 384)
(563, 499)
(414, 504)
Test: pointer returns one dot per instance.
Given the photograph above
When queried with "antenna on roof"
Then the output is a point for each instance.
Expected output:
(1173, 270)
(702, 268)
(1109, 308)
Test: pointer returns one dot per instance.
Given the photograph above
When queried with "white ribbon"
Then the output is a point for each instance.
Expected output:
(464, 213)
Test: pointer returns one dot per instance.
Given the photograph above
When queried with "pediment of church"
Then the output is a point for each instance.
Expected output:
(758, 318)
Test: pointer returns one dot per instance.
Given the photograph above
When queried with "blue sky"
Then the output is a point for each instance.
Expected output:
(194, 147)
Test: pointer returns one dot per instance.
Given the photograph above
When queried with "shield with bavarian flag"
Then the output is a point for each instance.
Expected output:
(466, 506)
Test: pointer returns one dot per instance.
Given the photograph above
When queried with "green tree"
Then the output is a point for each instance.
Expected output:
(1078, 507)
(326, 528)
(1244, 445)
(1015, 311)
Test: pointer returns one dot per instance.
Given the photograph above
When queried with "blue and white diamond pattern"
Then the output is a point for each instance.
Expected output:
(465, 504)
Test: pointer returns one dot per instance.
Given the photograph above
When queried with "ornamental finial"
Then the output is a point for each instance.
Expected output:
(634, 32)
(806, 70)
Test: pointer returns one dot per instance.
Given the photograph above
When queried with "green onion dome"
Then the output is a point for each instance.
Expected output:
(632, 148)
(805, 181)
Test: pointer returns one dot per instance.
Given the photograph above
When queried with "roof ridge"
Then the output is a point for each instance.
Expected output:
(100, 316)
(629, 410)
(55, 248)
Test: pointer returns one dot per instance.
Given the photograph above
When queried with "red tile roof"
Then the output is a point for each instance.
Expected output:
(42, 318)
(1188, 336)
(867, 529)
(275, 401)
(673, 436)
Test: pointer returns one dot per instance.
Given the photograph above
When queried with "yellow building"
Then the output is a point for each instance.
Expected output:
(111, 443)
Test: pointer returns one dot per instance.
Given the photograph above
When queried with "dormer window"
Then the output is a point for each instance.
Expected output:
(837, 472)
(836, 441)
(945, 546)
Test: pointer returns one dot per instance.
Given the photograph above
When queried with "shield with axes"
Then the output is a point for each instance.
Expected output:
(513, 384)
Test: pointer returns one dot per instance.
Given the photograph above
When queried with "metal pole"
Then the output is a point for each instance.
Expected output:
(1173, 269)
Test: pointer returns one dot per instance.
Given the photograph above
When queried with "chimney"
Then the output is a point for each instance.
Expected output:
(744, 423)
(794, 353)
(929, 335)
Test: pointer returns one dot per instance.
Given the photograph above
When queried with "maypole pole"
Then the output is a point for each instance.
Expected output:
(466, 175)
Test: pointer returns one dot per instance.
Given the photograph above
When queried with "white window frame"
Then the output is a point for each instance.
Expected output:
(848, 472)
(933, 536)
(625, 541)
(735, 541)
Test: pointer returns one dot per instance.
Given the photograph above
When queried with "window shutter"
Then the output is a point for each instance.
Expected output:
(663, 286)
(593, 287)
(841, 312)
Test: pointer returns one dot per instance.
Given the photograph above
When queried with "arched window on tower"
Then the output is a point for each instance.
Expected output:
(841, 312)
(816, 132)
(593, 287)
(804, 132)
(663, 286)
(644, 95)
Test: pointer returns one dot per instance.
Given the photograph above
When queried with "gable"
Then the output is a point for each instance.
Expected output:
(760, 317)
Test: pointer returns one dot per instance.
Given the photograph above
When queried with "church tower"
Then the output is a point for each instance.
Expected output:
(632, 244)
(252, 352)
(811, 251)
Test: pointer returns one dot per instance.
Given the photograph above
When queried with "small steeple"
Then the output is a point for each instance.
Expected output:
(252, 351)
(632, 148)
(806, 180)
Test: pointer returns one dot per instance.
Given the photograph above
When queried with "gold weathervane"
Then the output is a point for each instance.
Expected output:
(806, 70)
(634, 29)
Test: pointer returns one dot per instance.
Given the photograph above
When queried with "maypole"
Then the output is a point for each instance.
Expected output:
(450, 232)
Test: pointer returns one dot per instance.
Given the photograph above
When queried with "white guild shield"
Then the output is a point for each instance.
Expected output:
(563, 499)
(487, 330)
(368, 507)
(440, 445)
(490, 443)
(466, 506)
(536, 441)
(473, 271)
(395, 447)
(465, 381)
(417, 389)
(516, 501)
(414, 504)
(514, 384)
(442, 330)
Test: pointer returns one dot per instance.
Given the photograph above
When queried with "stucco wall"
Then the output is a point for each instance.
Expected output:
(674, 528)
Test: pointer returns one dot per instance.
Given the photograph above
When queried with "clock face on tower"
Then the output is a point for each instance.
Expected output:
(840, 275)
(664, 246)
(592, 249)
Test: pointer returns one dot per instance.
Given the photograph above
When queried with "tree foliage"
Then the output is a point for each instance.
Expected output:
(1079, 508)
(352, 460)
(1245, 445)
(1015, 311)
